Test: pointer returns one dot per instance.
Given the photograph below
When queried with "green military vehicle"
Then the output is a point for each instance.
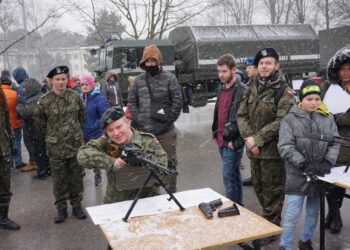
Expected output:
(331, 41)
(191, 52)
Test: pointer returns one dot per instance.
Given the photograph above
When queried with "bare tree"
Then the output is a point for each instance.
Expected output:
(8, 20)
(240, 10)
(34, 26)
(301, 7)
(278, 9)
(153, 18)
(100, 21)
(342, 12)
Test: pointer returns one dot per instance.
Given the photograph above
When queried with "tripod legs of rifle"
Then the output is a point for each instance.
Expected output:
(150, 175)
(172, 197)
(125, 219)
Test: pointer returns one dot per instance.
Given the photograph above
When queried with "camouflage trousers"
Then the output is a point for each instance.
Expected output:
(268, 178)
(5, 180)
(130, 195)
(168, 143)
(67, 177)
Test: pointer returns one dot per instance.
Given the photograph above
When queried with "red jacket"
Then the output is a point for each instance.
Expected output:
(11, 99)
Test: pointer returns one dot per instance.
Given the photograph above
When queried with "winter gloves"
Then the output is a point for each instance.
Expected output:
(324, 167)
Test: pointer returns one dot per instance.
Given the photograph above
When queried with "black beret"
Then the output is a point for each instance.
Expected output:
(266, 52)
(111, 115)
(58, 70)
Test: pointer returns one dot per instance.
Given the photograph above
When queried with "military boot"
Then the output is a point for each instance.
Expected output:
(79, 213)
(337, 222)
(5, 222)
(329, 218)
(61, 215)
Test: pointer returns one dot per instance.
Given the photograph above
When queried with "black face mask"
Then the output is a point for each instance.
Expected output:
(152, 70)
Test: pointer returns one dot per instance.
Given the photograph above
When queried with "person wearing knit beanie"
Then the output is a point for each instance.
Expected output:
(96, 104)
(87, 81)
(309, 87)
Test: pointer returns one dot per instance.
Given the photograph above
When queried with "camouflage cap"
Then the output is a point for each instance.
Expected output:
(111, 115)
(58, 70)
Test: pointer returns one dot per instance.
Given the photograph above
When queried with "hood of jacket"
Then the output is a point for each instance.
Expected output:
(19, 74)
(341, 57)
(33, 87)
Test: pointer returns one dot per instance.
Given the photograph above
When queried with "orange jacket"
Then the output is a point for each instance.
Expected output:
(11, 99)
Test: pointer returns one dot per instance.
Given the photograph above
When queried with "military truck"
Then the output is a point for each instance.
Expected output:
(331, 41)
(191, 52)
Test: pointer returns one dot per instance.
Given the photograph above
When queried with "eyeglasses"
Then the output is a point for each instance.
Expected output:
(84, 84)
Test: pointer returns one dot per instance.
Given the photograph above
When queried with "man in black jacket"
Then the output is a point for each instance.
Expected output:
(225, 129)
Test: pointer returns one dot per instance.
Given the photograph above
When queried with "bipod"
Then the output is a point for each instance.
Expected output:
(148, 178)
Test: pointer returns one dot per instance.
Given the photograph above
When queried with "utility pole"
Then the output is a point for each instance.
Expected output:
(21, 2)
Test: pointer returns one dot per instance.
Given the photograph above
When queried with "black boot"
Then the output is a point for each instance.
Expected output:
(329, 218)
(61, 215)
(247, 182)
(337, 222)
(306, 245)
(5, 222)
(79, 213)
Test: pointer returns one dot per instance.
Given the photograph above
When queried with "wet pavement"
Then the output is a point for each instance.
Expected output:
(199, 166)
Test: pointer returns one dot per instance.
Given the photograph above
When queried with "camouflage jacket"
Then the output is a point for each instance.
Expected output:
(61, 119)
(7, 138)
(343, 124)
(166, 95)
(259, 117)
(98, 154)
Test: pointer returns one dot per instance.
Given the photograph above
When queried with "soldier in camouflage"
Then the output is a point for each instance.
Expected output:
(259, 117)
(7, 146)
(155, 102)
(60, 114)
(124, 179)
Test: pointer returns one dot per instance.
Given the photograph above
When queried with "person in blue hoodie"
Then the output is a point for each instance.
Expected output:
(96, 104)
(20, 75)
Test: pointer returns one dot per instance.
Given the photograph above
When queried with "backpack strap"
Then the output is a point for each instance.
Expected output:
(278, 93)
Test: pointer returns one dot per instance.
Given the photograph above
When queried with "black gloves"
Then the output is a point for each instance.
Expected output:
(324, 167)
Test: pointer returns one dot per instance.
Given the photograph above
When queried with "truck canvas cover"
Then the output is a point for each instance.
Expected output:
(199, 47)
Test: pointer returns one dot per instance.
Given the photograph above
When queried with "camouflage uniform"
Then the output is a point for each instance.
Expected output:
(61, 119)
(7, 143)
(259, 117)
(98, 153)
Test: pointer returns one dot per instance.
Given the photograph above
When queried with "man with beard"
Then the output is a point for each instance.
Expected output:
(225, 129)
(267, 101)
(155, 102)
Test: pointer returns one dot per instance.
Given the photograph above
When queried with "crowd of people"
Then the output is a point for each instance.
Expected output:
(69, 124)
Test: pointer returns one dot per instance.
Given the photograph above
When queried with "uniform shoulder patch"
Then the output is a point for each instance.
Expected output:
(289, 92)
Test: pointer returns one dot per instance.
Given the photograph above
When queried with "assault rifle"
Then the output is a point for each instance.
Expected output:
(342, 141)
(133, 155)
